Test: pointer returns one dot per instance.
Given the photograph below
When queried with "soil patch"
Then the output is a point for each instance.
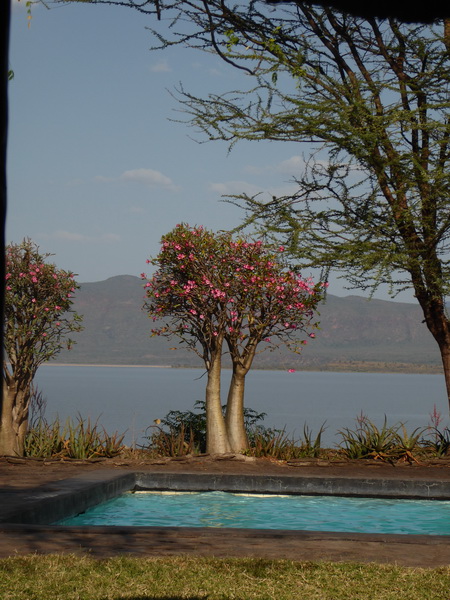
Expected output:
(27, 473)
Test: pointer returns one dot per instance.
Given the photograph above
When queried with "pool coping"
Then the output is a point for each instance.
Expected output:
(24, 523)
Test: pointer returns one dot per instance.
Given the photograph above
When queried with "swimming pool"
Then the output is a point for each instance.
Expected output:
(219, 509)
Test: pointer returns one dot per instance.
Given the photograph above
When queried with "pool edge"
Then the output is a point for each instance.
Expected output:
(19, 537)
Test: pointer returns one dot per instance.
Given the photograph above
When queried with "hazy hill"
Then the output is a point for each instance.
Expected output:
(355, 334)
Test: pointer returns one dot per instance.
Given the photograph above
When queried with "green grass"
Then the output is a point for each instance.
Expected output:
(68, 577)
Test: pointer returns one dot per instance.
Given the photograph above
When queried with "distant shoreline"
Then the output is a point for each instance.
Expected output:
(53, 364)
(354, 367)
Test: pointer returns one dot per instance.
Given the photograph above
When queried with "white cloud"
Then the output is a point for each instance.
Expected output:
(291, 166)
(161, 67)
(234, 187)
(149, 177)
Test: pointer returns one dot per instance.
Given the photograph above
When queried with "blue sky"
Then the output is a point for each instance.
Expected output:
(97, 171)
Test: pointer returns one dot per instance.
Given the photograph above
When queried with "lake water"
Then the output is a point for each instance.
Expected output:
(131, 398)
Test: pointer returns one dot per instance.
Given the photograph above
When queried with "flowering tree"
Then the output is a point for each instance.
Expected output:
(211, 290)
(37, 320)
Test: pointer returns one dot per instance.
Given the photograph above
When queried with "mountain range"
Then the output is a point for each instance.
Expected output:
(356, 334)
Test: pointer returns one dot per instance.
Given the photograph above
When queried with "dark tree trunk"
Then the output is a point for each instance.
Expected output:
(14, 420)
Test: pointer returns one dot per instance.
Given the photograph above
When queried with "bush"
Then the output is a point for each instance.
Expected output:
(80, 440)
(180, 433)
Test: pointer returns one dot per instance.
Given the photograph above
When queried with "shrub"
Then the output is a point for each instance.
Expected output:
(369, 441)
(184, 432)
(77, 440)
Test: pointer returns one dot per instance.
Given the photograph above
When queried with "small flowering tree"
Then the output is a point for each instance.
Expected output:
(37, 320)
(212, 291)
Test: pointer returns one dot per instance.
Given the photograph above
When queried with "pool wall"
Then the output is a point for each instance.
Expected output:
(25, 520)
(69, 497)
(318, 486)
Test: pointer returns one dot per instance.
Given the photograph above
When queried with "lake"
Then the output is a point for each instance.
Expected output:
(131, 398)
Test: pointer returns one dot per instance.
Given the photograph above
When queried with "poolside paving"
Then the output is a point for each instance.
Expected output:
(23, 480)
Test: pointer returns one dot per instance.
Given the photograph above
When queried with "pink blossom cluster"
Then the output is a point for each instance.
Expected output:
(237, 287)
(36, 294)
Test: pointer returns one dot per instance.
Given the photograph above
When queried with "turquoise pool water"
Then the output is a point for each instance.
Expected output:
(312, 513)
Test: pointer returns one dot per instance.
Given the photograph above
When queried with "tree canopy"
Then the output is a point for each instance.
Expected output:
(210, 289)
(371, 100)
(37, 321)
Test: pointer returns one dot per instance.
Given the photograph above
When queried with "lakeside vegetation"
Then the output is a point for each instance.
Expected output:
(183, 433)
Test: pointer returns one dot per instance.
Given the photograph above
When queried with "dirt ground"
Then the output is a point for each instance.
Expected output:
(28, 473)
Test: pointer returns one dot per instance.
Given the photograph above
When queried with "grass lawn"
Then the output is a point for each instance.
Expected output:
(71, 577)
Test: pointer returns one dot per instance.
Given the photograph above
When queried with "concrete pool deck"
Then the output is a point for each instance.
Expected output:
(32, 496)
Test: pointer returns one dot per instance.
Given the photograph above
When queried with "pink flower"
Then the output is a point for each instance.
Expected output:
(291, 370)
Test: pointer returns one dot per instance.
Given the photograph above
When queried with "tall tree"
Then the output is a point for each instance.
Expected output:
(211, 289)
(372, 99)
(37, 320)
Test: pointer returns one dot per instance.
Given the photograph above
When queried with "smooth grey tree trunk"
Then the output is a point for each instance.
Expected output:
(234, 417)
(216, 432)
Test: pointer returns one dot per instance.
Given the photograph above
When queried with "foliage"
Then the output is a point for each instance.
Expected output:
(184, 432)
(37, 321)
(387, 443)
(38, 299)
(438, 441)
(408, 443)
(212, 287)
(369, 441)
(275, 443)
(371, 99)
(181, 433)
(71, 440)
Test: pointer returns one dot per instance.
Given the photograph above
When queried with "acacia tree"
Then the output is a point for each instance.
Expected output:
(211, 289)
(373, 98)
(37, 320)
